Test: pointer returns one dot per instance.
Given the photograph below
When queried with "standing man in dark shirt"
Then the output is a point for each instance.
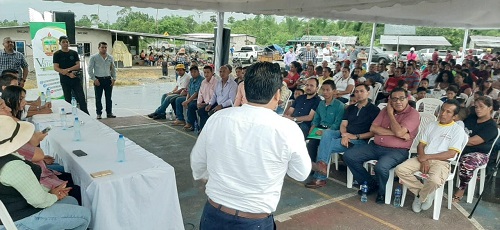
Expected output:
(304, 107)
(66, 63)
(354, 130)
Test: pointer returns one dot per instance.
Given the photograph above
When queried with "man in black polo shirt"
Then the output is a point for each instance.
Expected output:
(303, 108)
(354, 130)
(66, 63)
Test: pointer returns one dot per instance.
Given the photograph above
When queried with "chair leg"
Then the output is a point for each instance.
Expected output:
(328, 167)
(471, 187)
(388, 187)
(438, 199)
(336, 160)
(350, 178)
(403, 195)
(450, 193)
(482, 180)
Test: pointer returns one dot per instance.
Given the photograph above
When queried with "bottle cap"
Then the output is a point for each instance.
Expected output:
(76, 118)
(120, 136)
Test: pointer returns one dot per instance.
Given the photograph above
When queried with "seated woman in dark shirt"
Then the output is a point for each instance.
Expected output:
(482, 132)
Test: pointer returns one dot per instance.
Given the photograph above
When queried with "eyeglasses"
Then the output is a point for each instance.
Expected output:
(396, 99)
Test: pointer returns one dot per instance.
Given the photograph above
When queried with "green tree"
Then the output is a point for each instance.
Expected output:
(84, 21)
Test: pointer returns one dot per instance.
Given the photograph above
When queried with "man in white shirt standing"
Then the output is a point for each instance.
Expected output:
(245, 174)
(440, 141)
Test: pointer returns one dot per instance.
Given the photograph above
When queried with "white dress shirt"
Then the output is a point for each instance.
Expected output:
(183, 81)
(244, 152)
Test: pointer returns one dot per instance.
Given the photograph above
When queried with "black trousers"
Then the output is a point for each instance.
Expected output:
(204, 115)
(75, 191)
(105, 85)
(73, 86)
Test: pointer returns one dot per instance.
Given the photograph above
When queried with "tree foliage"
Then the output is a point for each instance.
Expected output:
(264, 27)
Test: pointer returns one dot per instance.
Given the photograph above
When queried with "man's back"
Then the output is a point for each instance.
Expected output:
(247, 151)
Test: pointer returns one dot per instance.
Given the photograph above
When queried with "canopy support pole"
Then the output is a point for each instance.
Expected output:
(464, 45)
(372, 40)
(218, 40)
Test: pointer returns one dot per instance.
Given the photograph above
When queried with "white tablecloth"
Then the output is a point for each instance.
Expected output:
(140, 194)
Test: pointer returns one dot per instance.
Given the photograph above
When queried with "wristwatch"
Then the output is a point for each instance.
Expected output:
(295, 119)
(357, 136)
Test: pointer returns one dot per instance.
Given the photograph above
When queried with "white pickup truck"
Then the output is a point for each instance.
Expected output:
(247, 53)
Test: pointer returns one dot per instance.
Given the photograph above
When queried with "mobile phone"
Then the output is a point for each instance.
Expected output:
(101, 173)
(79, 153)
(46, 130)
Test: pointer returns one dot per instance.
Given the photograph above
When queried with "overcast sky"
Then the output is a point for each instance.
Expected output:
(18, 10)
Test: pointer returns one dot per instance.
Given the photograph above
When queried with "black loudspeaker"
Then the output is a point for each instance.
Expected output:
(226, 40)
(69, 19)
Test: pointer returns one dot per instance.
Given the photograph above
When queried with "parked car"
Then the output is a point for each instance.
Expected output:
(426, 53)
(247, 53)
(442, 54)
(160, 46)
(378, 55)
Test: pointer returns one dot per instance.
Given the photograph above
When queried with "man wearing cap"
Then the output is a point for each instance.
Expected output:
(102, 70)
(448, 57)
(488, 56)
(170, 97)
(363, 57)
(411, 56)
(67, 63)
(435, 56)
(11, 59)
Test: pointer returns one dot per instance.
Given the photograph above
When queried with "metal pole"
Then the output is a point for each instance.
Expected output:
(218, 40)
(397, 46)
(374, 29)
(464, 45)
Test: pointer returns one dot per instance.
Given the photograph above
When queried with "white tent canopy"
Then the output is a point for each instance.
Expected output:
(479, 14)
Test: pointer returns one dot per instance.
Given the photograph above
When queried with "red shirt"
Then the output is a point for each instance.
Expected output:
(392, 83)
(411, 56)
(449, 56)
(409, 118)
(435, 57)
(291, 79)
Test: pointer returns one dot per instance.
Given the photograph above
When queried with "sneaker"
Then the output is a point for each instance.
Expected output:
(111, 116)
(99, 116)
(428, 203)
(380, 199)
(152, 115)
(313, 184)
(160, 117)
(417, 205)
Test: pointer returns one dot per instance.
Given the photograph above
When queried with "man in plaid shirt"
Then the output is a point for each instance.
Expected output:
(308, 55)
(11, 59)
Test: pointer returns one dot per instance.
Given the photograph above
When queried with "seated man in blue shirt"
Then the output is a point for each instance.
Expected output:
(225, 93)
(304, 107)
(354, 130)
(328, 116)
(183, 101)
(372, 74)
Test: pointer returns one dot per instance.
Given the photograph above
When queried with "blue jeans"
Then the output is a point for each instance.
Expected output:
(166, 100)
(214, 219)
(331, 143)
(64, 214)
(305, 127)
(179, 109)
(191, 112)
(388, 158)
(56, 167)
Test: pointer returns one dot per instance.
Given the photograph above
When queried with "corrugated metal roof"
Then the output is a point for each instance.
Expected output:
(485, 41)
(348, 40)
(414, 40)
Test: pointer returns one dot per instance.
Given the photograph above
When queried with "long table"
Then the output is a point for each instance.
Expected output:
(140, 194)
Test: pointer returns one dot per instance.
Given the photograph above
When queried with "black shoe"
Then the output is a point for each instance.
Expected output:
(380, 199)
(160, 117)
(99, 116)
(111, 116)
(152, 115)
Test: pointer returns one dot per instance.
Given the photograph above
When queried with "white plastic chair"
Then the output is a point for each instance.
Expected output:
(469, 101)
(375, 92)
(425, 119)
(438, 93)
(438, 194)
(285, 105)
(464, 96)
(382, 105)
(7, 221)
(431, 105)
(471, 188)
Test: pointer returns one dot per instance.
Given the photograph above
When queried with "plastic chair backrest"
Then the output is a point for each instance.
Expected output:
(382, 105)
(438, 93)
(494, 142)
(7, 221)
(376, 90)
(469, 101)
(431, 105)
(285, 105)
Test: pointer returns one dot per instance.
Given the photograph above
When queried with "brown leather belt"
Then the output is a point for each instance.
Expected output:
(235, 212)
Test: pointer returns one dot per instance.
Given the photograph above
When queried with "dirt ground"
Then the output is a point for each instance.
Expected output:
(126, 76)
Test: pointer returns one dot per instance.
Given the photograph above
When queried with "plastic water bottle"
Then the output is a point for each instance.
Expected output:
(77, 136)
(397, 197)
(62, 114)
(171, 115)
(48, 96)
(74, 110)
(364, 191)
(42, 99)
(120, 144)
(196, 129)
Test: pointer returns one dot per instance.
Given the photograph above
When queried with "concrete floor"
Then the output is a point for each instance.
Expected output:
(331, 207)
